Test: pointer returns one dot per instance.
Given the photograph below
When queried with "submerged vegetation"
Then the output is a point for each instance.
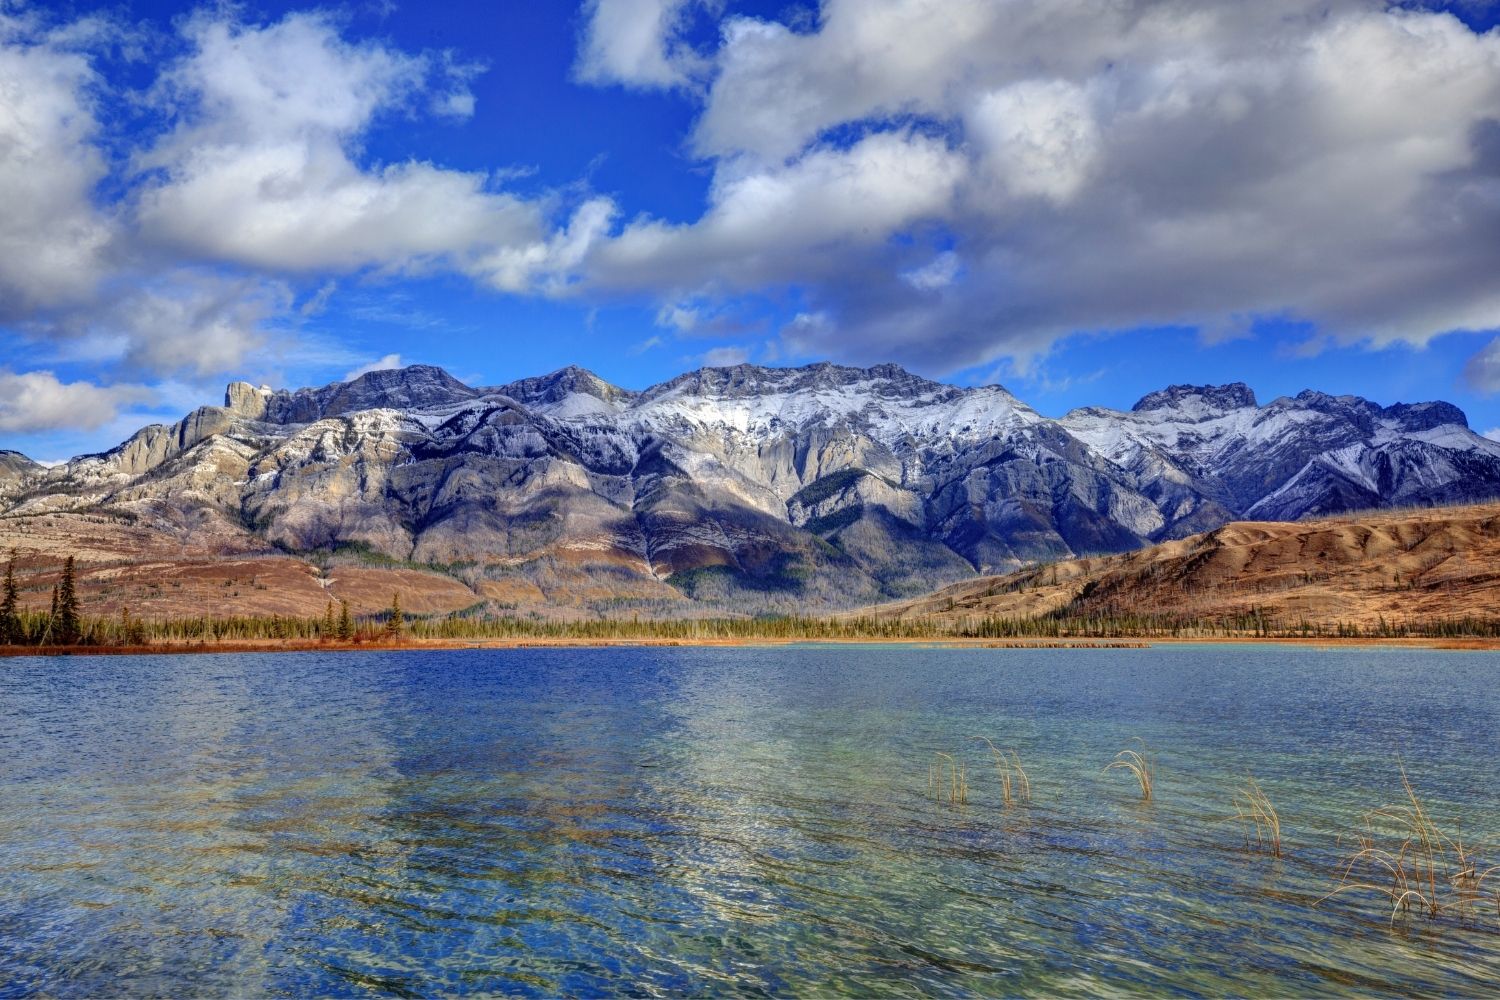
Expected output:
(1253, 808)
(1140, 764)
(948, 773)
(948, 776)
(1403, 855)
(1015, 786)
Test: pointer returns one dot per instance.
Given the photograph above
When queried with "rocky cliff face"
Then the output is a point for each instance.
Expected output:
(15, 470)
(751, 487)
(1211, 452)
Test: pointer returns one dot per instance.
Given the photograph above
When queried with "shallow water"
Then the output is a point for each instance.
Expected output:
(727, 821)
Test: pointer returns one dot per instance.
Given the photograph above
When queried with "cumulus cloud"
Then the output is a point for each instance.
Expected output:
(260, 169)
(942, 182)
(39, 401)
(637, 43)
(816, 217)
(53, 239)
(1093, 168)
(254, 178)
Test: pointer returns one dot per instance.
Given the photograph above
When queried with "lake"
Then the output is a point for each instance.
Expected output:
(745, 822)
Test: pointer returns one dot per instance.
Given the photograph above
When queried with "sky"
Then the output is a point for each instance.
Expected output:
(1083, 200)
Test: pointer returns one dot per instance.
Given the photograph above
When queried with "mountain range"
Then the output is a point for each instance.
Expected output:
(745, 488)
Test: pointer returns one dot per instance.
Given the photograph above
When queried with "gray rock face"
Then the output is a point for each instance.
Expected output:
(1294, 457)
(16, 470)
(246, 400)
(1221, 398)
(750, 487)
(13, 464)
(416, 387)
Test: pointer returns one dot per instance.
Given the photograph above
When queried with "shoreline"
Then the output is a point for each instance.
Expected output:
(960, 643)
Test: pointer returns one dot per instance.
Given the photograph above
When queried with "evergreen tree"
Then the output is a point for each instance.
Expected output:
(68, 625)
(346, 623)
(10, 622)
(394, 623)
(328, 622)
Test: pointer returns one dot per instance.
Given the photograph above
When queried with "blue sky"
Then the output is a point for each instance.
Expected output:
(1082, 207)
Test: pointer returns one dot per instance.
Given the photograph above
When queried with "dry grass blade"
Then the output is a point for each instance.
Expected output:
(1138, 763)
(957, 775)
(1425, 871)
(1253, 808)
(1015, 786)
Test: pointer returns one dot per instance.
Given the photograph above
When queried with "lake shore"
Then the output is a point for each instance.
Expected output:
(406, 645)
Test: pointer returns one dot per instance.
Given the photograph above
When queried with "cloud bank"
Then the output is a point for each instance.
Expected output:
(953, 181)
(940, 182)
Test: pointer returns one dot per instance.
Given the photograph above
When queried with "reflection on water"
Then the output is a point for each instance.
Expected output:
(751, 821)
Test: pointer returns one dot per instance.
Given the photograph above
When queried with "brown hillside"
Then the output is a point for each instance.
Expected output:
(1402, 566)
(145, 565)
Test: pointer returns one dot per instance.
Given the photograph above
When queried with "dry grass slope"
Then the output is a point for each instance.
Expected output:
(1406, 565)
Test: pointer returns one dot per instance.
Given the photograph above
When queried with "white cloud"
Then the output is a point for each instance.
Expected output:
(39, 401)
(1097, 167)
(53, 240)
(1493, 433)
(386, 363)
(260, 169)
(637, 43)
(548, 264)
(943, 182)
(1037, 137)
(256, 177)
(814, 217)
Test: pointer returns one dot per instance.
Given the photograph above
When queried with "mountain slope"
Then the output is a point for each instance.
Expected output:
(742, 488)
(1397, 566)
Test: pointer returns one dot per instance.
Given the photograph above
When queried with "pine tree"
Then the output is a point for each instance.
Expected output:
(328, 622)
(394, 623)
(10, 622)
(346, 623)
(68, 630)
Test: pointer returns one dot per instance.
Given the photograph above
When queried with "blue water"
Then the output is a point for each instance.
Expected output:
(728, 821)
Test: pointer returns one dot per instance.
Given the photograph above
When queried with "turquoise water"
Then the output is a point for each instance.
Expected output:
(727, 821)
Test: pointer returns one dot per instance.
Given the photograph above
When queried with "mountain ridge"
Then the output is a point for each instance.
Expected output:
(751, 487)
